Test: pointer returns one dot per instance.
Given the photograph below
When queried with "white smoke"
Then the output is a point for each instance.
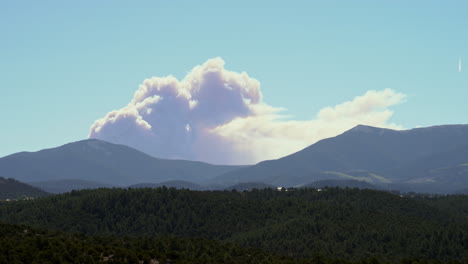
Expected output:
(218, 116)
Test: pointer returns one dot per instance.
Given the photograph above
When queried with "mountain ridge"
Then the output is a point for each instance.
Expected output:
(363, 147)
(97, 160)
(13, 189)
(424, 159)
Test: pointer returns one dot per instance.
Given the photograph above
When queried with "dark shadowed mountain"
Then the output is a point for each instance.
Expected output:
(391, 155)
(451, 162)
(100, 161)
(298, 180)
(248, 186)
(13, 189)
(341, 184)
(169, 184)
(448, 179)
(62, 186)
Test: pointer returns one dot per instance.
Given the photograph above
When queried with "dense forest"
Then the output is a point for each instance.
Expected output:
(13, 189)
(21, 244)
(334, 223)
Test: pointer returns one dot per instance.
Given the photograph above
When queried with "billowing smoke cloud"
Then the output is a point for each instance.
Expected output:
(218, 116)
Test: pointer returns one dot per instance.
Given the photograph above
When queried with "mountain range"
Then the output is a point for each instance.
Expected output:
(67, 185)
(104, 162)
(431, 159)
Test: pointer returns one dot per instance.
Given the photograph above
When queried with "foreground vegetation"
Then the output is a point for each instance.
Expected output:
(301, 224)
(20, 244)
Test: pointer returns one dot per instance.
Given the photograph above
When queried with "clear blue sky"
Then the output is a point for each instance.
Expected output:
(65, 64)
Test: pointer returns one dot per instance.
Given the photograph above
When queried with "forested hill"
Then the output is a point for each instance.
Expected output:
(13, 189)
(334, 223)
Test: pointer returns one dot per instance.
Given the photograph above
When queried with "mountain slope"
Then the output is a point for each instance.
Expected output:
(248, 186)
(67, 185)
(340, 184)
(13, 189)
(96, 160)
(361, 148)
(439, 180)
(169, 184)
(422, 167)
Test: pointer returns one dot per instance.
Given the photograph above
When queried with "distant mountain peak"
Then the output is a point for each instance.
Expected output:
(368, 129)
(96, 144)
(390, 156)
(101, 161)
(80, 143)
(363, 128)
(89, 141)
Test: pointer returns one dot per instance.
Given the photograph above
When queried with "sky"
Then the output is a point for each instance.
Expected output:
(66, 65)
